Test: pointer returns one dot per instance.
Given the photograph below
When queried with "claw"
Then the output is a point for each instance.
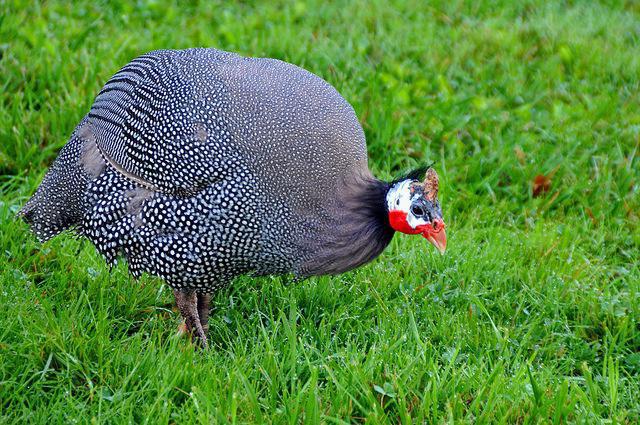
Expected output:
(182, 329)
(194, 308)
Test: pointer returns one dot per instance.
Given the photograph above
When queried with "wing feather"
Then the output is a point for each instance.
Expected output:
(152, 124)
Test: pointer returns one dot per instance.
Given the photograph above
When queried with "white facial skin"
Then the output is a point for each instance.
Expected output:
(399, 199)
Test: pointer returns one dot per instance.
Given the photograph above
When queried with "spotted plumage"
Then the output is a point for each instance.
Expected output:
(200, 165)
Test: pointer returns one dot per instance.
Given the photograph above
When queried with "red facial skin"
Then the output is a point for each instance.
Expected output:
(434, 233)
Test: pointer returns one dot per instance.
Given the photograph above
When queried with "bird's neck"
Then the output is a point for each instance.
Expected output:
(358, 229)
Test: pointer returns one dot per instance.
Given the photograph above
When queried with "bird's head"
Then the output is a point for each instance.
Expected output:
(414, 208)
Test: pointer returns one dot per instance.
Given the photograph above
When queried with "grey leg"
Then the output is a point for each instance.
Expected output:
(187, 302)
(204, 301)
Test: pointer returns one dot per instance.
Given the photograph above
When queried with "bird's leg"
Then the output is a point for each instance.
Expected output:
(187, 302)
(204, 301)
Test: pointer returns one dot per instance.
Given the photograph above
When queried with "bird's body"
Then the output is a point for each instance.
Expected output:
(201, 165)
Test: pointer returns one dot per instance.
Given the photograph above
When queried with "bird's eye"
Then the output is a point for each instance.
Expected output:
(417, 210)
(397, 201)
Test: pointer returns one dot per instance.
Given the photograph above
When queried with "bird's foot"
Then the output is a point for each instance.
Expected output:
(182, 329)
(204, 301)
(187, 302)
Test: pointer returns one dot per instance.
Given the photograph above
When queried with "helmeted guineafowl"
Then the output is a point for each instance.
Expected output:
(200, 165)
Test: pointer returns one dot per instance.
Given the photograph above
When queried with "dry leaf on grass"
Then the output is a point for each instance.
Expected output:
(591, 216)
(542, 183)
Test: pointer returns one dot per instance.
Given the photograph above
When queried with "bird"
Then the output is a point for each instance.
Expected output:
(199, 165)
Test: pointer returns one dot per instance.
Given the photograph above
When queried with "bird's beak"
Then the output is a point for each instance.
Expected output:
(438, 239)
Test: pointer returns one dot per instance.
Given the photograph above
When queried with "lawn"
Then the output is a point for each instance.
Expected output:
(531, 112)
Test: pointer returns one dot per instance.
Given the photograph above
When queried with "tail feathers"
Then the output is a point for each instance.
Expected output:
(58, 203)
(44, 219)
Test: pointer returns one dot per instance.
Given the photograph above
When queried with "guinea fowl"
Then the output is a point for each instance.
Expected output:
(199, 165)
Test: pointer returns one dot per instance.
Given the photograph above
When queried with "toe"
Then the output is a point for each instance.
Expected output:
(183, 329)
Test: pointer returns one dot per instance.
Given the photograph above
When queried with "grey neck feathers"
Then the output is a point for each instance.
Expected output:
(358, 229)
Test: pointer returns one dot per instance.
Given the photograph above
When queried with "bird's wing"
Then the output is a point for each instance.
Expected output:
(152, 123)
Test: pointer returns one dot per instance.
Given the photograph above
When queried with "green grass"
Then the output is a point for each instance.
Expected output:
(533, 314)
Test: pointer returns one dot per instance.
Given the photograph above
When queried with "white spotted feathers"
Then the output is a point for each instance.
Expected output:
(200, 165)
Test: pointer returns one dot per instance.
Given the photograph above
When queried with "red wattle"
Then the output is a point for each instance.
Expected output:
(398, 221)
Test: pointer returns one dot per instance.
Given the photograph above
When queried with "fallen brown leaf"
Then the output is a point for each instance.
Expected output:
(591, 216)
(541, 184)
